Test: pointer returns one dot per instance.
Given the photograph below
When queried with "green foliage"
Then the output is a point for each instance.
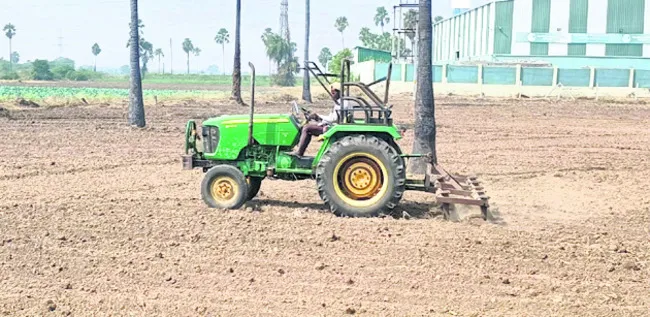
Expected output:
(188, 47)
(222, 37)
(282, 53)
(41, 70)
(10, 30)
(438, 19)
(337, 60)
(381, 41)
(96, 49)
(341, 24)
(381, 18)
(40, 93)
(191, 79)
(62, 61)
(15, 57)
(325, 56)
(61, 71)
(411, 22)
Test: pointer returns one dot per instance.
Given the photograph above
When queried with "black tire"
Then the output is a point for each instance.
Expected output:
(233, 190)
(344, 159)
(254, 184)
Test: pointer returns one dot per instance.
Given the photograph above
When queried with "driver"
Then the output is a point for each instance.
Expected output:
(320, 126)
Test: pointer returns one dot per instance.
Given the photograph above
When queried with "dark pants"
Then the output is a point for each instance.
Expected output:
(305, 136)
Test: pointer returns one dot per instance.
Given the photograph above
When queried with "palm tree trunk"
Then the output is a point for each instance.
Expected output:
(188, 63)
(159, 64)
(223, 57)
(11, 61)
(342, 41)
(425, 119)
(306, 91)
(136, 104)
(95, 66)
(236, 70)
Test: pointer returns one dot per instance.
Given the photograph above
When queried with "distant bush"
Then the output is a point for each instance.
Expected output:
(9, 75)
(41, 70)
(62, 71)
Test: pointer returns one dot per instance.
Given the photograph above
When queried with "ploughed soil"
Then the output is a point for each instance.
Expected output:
(97, 218)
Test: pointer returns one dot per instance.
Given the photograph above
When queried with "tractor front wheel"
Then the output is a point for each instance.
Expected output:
(224, 187)
(361, 176)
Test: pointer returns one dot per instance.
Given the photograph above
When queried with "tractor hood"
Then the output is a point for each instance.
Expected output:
(268, 129)
(244, 119)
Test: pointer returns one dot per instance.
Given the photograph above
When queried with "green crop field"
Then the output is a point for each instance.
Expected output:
(8, 93)
(195, 79)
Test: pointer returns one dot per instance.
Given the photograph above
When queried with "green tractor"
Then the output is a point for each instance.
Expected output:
(360, 170)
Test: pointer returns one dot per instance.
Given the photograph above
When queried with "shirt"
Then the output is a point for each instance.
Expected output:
(332, 116)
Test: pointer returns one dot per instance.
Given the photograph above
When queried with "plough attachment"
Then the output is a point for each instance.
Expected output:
(450, 189)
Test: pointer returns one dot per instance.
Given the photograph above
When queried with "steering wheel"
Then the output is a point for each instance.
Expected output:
(298, 109)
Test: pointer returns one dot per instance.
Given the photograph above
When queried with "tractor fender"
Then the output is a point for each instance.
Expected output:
(386, 133)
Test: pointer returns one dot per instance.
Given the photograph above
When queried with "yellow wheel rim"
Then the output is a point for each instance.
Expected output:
(360, 179)
(224, 189)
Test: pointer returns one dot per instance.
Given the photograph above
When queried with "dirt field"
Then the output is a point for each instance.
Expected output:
(99, 219)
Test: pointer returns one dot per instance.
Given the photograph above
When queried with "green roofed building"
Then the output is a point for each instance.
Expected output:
(563, 33)
(364, 54)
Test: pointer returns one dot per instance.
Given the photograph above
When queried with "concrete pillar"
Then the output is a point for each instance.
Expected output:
(521, 23)
(559, 25)
(480, 74)
(556, 72)
(596, 23)
(518, 75)
(631, 84)
(592, 77)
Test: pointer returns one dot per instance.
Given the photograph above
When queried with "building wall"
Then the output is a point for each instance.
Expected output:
(467, 35)
(612, 28)
(545, 28)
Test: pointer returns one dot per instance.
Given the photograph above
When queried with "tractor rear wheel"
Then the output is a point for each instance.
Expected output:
(361, 176)
(254, 184)
(225, 187)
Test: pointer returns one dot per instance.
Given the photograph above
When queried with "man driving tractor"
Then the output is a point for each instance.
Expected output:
(322, 123)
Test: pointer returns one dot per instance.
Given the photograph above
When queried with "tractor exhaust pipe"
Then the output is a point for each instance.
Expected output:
(251, 140)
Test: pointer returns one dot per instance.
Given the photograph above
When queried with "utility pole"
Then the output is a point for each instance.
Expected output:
(60, 38)
(284, 21)
(400, 32)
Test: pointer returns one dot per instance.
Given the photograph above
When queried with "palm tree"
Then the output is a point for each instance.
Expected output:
(223, 38)
(146, 54)
(136, 104)
(410, 23)
(236, 70)
(306, 89)
(341, 24)
(425, 118)
(266, 38)
(10, 31)
(96, 50)
(438, 19)
(188, 48)
(325, 56)
(159, 53)
(381, 18)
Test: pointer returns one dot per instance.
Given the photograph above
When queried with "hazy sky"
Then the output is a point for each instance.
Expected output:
(80, 23)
